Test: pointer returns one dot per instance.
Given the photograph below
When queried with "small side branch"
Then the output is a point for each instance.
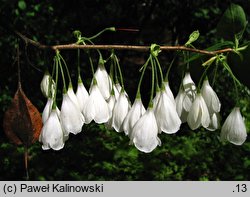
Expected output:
(120, 47)
(32, 42)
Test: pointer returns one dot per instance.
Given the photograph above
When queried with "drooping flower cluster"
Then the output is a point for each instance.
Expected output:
(202, 109)
(76, 109)
(107, 102)
(58, 124)
(197, 108)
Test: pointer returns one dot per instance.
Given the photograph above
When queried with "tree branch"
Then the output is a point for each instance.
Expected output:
(119, 47)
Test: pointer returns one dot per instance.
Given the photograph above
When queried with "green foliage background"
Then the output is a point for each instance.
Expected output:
(98, 153)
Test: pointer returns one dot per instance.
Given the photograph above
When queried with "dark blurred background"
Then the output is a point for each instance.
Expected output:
(97, 153)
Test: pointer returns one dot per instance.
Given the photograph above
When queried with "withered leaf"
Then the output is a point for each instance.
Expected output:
(22, 121)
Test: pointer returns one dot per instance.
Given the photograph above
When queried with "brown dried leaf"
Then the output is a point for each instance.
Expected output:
(22, 121)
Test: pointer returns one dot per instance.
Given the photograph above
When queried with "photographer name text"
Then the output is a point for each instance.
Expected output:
(58, 188)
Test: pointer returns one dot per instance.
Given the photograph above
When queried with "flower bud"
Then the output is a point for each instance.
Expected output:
(47, 86)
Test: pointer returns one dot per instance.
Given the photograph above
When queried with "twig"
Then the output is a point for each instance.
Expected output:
(120, 47)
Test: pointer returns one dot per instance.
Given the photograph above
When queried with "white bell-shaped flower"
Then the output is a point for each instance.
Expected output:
(120, 111)
(111, 103)
(190, 90)
(145, 131)
(82, 95)
(71, 117)
(96, 108)
(47, 110)
(213, 104)
(210, 97)
(182, 113)
(47, 85)
(169, 92)
(103, 80)
(234, 129)
(52, 135)
(198, 114)
(134, 114)
(166, 116)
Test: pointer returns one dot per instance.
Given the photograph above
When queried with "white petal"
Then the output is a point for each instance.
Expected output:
(198, 114)
(111, 103)
(120, 111)
(136, 111)
(96, 107)
(190, 90)
(47, 110)
(188, 84)
(205, 119)
(210, 97)
(117, 91)
(182, 113)
(102, 113)
(103, 81)
(194, 116)
(82, 96)
(156, 99)
(144, 133)
(73, 97)
(187, 102)
(215, 122)
(169, 92)
(89, 109)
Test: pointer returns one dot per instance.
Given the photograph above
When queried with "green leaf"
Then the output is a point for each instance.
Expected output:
(214, 47)
(209, 61)
(193, 37)
(22, 4)
(232, 23)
